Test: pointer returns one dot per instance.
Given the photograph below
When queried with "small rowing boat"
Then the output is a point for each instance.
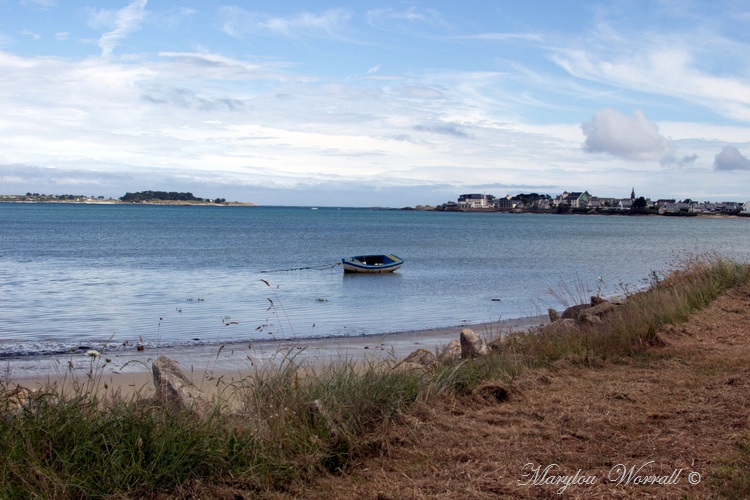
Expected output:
(372, 263)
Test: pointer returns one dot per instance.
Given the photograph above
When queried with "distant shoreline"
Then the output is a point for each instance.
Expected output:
(113, 201)
(418, 208)
(613, 213)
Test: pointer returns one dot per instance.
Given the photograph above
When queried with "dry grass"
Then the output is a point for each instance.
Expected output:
(680, 404)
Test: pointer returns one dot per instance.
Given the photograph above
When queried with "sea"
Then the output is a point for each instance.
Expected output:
(115, 277)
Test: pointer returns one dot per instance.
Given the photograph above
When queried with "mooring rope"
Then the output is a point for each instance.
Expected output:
(316, 268)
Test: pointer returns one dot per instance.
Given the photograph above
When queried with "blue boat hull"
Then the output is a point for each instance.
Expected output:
(373, 264)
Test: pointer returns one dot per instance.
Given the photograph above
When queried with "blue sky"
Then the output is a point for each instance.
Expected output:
(383, 103)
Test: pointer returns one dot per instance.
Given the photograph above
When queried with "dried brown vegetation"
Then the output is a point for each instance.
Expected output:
(681, 404)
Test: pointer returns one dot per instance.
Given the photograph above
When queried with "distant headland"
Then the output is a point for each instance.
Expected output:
(138, 198)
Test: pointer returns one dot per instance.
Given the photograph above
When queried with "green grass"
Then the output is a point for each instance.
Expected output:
(83, 444)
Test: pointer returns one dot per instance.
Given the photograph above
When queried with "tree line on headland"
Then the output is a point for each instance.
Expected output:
(144, 196)
(138, 197)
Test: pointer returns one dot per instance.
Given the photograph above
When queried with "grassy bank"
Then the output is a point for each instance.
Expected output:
(277, 427)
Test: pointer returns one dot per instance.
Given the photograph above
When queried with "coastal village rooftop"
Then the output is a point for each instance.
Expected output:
(583, 201)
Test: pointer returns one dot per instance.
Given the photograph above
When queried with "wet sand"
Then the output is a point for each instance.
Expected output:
(212, 365)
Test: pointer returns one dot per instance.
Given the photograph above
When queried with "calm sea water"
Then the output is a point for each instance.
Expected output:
(89, 275)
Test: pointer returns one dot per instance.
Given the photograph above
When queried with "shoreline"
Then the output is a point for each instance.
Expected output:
(222, 364)
(431, 208)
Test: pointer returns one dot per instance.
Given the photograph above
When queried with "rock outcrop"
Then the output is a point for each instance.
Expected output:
(553, 315)
(574, 312)
(320, 416)
(419, 360)
(451, 353)
(593, 315)
(581, 315)
(23, 399)
(472, 345)
(174, 391)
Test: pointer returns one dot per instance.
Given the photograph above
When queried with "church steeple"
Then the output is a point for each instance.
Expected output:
(632, 194)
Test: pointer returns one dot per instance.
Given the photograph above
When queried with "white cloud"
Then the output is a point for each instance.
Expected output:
(412, 14)
(630, 137)
(31, 34)
(125, 21)
(730, 158)
(330, 23)
(662, 66)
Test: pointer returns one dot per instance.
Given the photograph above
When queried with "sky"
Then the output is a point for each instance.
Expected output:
(375, 103)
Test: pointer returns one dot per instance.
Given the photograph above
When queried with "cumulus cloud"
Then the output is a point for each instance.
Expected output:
(631, 137)
(730, 158)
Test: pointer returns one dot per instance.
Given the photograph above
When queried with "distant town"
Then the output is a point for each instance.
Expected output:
(584, 203)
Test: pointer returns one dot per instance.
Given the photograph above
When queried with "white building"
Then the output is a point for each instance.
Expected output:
(473, 201)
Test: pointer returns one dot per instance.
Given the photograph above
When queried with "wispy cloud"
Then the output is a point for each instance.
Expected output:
(330, 23)
(671, 66)
(385, 17)
(31, 34)
(219, 67)
(125, 21)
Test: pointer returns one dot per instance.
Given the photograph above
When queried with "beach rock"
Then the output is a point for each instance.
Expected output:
(472, 345)
(553, 315)
(594, 314)
(499, 344)
(596, 300)
(559, 326)
(451, 353)
(319, 416)
(174, 391)
(420, 360)
(573, 312)
(23, 399)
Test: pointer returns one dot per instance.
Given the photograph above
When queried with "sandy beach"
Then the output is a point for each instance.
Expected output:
(130, 371)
